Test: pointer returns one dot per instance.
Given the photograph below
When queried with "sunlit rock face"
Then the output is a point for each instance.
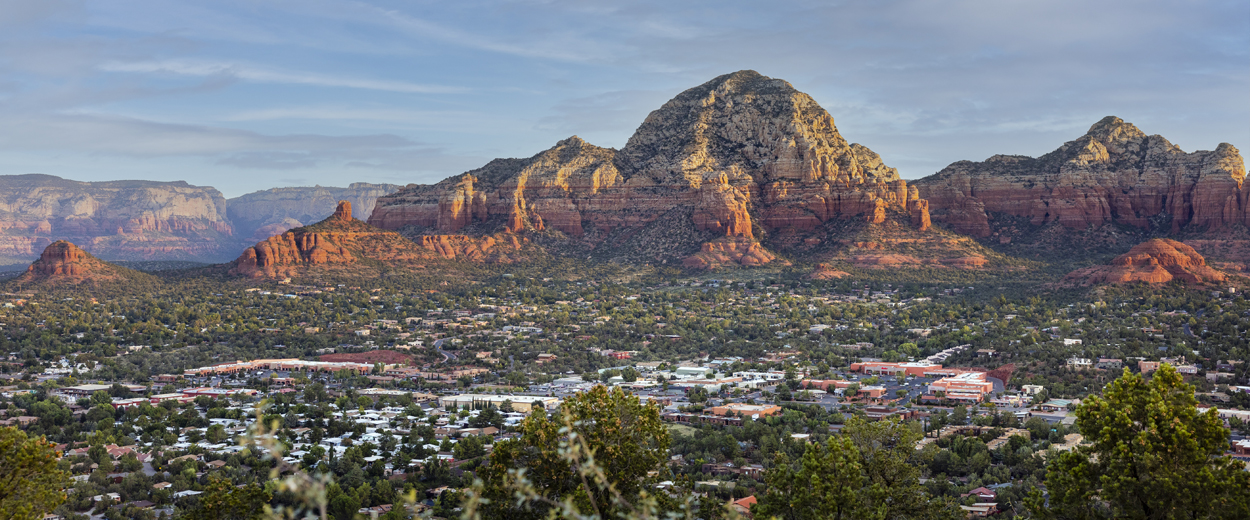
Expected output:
(742, 153)
(1115, 173)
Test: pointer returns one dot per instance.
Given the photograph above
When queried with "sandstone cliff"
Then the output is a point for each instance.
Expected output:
(1158, 260)
(259, 215)
(63, 263)
(736, 158)
(1115, 173)
(124, 220)
(343, 244)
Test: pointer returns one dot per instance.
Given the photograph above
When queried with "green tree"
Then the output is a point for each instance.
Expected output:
(625, 436)
(30, 483)
(886, 450)
(1151, 455)
(826, 485)
(222, 501)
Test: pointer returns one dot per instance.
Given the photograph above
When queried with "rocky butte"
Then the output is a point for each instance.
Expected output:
(344, 244)
(1115, 173)
(1158, 260)
(65, 263)
(702, 180)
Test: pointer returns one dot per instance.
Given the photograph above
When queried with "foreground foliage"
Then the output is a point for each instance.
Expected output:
(1151, 455)
(30, 483)
(863, 474)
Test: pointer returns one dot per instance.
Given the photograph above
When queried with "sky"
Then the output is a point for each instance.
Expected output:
(256, 94)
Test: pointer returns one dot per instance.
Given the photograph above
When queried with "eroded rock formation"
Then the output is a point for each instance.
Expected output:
(1158, 260)
(742, 152)
(341, 242)
(1115, 173)
(65, 263)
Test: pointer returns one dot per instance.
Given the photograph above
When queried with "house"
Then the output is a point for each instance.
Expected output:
(1147, 367)
(980, 510)
(743, 505)
(1055, 405)
(983, 494)
(1109, 364)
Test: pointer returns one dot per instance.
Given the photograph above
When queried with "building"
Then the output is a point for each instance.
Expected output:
(1080, 363)
(1147, 367)
(280, 364)
(743, 505)
(1109, 364)
(520, 403)
(919, 368)
(754, 411)
(1055, 405)
(969, 386)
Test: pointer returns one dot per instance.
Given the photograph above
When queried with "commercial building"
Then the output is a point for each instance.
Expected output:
(754, 411)
(969, 386)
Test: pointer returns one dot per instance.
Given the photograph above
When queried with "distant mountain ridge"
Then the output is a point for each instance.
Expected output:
(126, 220)
(137, 220)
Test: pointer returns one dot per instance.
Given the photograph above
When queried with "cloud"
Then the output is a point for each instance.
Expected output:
(269, 75)
(117, 136)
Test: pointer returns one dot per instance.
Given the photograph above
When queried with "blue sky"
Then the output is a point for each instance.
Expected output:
(248, 95)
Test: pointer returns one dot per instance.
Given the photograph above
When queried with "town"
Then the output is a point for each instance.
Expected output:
(151, 400)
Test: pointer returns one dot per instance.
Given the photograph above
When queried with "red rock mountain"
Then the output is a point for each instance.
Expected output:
(1115, 173)
(703, 178)
(65, 263)
(342, 243)
(1158, 260)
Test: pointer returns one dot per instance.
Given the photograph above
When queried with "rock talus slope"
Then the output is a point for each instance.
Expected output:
(1158, 260)
(1115, 173)
(128, 220)
(744, 154)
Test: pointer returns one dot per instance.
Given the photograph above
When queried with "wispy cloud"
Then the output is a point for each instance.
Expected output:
(270, 75)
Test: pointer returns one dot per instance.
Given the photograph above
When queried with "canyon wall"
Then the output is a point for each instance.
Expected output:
(121, 220)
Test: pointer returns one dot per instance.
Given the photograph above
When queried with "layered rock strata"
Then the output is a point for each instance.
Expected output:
(745, 152)
(1158, 260)
(341, 242)
(126, 220)
(1115, 173)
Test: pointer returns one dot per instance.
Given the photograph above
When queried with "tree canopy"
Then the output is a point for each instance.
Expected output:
(624, 436)
(1151, 455)
(30, 483)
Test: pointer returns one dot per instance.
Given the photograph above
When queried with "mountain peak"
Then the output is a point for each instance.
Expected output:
(1112, 128)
